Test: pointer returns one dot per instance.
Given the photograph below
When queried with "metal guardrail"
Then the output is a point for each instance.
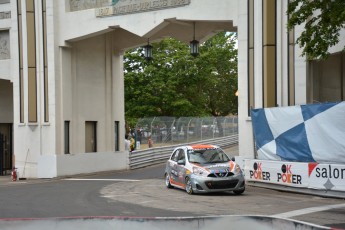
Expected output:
(166, 131)
(153, 156)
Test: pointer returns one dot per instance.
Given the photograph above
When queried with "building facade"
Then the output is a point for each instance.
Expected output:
(61, 73)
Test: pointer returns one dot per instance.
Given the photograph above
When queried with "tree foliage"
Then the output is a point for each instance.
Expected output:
(176, 84)
(323, 21)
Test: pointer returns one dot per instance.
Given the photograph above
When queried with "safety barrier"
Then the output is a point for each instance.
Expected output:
(315, 178)
(152, 156)
(151, 223)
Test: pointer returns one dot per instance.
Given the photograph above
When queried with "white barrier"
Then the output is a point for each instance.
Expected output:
(50, 166)
(294, 174)
(188, 223)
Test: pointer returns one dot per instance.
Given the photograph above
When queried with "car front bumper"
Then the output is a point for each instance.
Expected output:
(217, 184)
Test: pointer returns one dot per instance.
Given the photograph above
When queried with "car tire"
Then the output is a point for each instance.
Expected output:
(189, 187)
(167, 181)
(239, 192)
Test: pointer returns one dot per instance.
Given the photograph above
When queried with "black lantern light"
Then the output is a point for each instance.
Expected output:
(148, 51)
(194, 45)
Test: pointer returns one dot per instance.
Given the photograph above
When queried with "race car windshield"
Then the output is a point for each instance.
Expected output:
(204, 156)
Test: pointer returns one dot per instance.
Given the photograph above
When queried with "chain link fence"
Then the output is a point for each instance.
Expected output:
(164, 131)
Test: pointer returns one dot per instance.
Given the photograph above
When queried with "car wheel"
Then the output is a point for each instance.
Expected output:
(238, 192)
(167, 181)
(189, 188)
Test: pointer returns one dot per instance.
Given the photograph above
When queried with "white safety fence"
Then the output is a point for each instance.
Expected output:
(312, 176)
(152, 156)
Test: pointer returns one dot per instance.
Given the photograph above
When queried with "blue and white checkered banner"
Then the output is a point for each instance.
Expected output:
(305, 133)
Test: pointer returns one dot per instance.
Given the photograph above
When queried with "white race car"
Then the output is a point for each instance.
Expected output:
(203, 168)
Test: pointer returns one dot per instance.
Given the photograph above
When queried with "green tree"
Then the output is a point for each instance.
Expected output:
(323, 21)
(176, 84)
(152, 88)
(218, 66)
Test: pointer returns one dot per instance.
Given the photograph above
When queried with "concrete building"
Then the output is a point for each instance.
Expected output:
(61, 73)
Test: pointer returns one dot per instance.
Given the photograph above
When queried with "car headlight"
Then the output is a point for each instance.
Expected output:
(238, 169)
(199, 171)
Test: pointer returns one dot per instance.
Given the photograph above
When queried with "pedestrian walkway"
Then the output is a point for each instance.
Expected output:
(5, 179)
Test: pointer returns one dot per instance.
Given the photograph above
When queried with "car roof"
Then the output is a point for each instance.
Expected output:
(197, 146)
(202, 146)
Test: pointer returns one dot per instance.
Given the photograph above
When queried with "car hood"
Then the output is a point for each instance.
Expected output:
(220, 167)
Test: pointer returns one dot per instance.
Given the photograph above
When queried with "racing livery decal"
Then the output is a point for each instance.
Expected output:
(203, 147)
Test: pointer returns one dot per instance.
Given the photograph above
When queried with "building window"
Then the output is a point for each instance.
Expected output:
(327, 79)
(20, 54)
(31, 55)
(269, 53)
(117, 136)
(291, 66)
(250, 55)
(67, 136)
(90, 136)
(45, 62)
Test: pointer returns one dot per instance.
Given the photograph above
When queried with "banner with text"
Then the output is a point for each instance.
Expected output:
(295, 174)
(327, 176)
(278, 172)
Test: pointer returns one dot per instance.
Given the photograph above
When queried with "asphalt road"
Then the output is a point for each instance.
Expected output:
(143, 193)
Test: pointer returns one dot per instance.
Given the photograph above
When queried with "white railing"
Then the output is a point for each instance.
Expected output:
(152, 156)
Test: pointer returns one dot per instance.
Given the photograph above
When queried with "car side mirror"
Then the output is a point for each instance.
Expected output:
(233, 159)
(181, 162)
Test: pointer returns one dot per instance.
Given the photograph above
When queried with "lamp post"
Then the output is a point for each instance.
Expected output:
(148, 51)
(194, 45)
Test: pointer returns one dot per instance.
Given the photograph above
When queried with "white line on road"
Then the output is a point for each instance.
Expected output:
(308, 210)
(118, 195)
(147, 201)
(118, 180)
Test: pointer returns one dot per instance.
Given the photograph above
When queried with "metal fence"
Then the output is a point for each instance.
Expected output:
(165, 131)
(153, 156)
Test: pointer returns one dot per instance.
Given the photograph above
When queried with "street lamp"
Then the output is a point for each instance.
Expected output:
(148, 51)
(194, 45)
